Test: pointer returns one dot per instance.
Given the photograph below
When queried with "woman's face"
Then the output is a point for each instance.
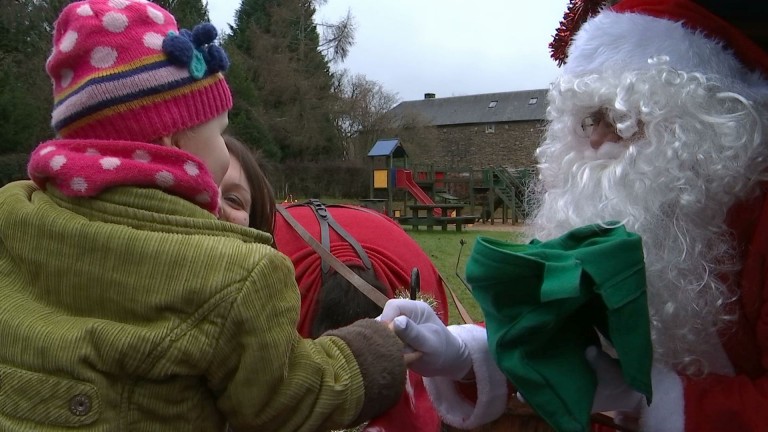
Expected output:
(235, 195)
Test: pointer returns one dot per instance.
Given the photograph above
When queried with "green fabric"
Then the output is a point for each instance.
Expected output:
(542, 302)
(139, 311)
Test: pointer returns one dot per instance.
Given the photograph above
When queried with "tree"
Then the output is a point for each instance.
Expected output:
(26, 99)
(188, 13)
(361, 112)
(287, 79)
(337, 38)
(248, 118)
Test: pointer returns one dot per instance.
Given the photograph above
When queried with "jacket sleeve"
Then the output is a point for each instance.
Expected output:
(267, 378)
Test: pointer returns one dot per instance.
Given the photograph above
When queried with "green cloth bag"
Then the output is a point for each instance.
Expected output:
(543, 303)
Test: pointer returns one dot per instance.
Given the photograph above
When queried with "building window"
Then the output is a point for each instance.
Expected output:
(533, 100)
(490, 128)
(493, 104)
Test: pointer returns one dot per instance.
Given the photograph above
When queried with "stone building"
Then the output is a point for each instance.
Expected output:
(476, 131)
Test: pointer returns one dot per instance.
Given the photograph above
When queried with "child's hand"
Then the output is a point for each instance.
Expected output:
(417, 325)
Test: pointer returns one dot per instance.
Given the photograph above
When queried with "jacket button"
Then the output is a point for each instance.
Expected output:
(80, 405)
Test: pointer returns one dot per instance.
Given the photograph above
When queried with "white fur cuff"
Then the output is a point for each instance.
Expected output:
(666, 412)
(453, 407)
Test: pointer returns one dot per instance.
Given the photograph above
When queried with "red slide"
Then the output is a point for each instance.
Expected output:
(404, 180)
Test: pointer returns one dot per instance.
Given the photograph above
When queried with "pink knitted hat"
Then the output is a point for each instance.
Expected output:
(122, 71)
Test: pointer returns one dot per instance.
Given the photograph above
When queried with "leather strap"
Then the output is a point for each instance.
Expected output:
(372, 293)
(325, 220)
(460, 307)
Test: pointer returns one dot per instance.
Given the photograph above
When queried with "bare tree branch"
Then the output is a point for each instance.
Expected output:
(337, 38)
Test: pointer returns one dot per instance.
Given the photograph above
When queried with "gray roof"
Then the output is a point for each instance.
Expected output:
(510, 106)
(387, 147)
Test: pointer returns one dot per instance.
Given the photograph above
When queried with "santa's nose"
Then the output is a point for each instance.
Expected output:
(603, 132)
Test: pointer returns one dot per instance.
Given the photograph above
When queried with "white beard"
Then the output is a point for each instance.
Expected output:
(672, 190)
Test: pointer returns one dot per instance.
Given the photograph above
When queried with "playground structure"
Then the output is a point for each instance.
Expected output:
(397, 188)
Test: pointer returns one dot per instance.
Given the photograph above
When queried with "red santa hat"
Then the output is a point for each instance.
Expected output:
(626, 35)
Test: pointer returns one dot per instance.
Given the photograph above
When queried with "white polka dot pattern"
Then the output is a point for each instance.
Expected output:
(115, 22)
(141, 156)
(85, 10)
(156, 15)
(83, 169)
(66, 77)
(109, 163)
(79, 184)
(68, 41)
(153, 40)
(191, 168)
(57, 162)
(119, 4)
(164, 179)
(103, 57)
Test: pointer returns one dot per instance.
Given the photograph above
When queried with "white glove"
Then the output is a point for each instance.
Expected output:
(612, 393)
(415, 323)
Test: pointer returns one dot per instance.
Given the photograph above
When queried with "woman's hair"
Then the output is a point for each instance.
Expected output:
(262, 211)
(341, 303)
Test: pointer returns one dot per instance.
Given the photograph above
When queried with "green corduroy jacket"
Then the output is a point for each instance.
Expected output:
(139, 311)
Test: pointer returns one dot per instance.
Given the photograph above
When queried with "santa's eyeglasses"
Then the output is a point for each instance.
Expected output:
(590, 122)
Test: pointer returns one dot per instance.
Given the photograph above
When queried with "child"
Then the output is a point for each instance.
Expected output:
(126, 304)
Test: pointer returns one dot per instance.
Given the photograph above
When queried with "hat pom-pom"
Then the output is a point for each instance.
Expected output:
(204, 34)
(186, 33)
(217, 59)
(178, 49)
(196, 50)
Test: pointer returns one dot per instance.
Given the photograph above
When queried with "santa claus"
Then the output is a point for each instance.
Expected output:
(659, 120)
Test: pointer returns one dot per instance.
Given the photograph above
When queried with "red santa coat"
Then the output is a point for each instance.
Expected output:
(739, 402)
(711, 403)
(393, 255)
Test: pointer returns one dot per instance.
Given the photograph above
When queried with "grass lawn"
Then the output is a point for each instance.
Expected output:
(443, 248)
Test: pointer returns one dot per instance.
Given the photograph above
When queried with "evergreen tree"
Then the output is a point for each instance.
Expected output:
(188, 13)
(247, 119)
(338, 38)
(26, 98)
(289, 81)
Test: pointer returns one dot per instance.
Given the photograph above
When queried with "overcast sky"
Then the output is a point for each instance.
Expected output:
(446, 47)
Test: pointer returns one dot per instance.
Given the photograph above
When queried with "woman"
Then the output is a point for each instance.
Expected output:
(246, 196)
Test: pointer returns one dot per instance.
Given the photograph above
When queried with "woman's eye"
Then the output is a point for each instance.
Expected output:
(235, 201)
